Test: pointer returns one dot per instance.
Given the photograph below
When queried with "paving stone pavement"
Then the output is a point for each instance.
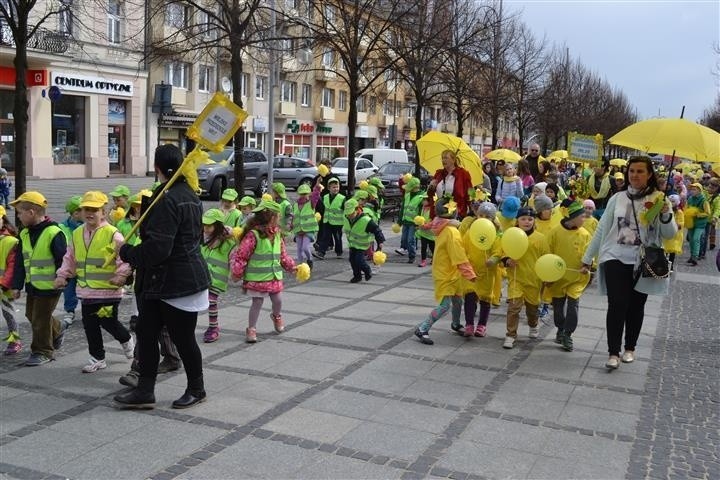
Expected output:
(348, 392)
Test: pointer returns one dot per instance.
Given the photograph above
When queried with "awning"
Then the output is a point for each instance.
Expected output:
(177, 120)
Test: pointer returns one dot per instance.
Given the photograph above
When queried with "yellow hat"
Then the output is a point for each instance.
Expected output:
(2, 211)
(619, 176)
(35, 198)
(696, 185)
(93, 199)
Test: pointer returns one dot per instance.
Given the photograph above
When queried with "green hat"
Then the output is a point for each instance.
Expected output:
(247, 200)
(303, 189)
(372, 190)
(361, 195)
(575, 209)
(412, 184)
(73, 204)
(267, 205)
(279, 188)
(230, 194)
(212, 216)
(350, 206)
(376, 182)
(120, 191)
(333, 180)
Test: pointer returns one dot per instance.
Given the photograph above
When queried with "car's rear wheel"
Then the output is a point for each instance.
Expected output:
(262, 187)
(216, 189)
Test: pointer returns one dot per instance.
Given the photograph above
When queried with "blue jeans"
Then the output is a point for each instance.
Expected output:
(69, 295)
(407, 239)
(358, 263)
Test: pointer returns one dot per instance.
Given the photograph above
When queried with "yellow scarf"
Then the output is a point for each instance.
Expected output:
(604, 186)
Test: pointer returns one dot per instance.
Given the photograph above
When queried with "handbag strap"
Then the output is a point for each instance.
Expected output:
(637, 224)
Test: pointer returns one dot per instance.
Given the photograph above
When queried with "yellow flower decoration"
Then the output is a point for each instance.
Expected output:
(303, 273)
(451, 206)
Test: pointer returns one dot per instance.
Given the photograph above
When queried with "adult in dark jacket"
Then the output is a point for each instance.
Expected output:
(171, 283)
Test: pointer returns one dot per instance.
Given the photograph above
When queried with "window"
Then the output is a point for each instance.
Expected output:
(68, 130)
(342, 100)
(328, 97)
(306, 98)
(204, 25)
(177, 74)
(113, 21)
(206, 78)
(411, 110)
(65, 19)
(388, 107)
(292, 4)
(361, 103)
(329, 14)
(328, 58)
(176, 15)
(244, 82)
(288, 91)
(260, 87)
(372, 107)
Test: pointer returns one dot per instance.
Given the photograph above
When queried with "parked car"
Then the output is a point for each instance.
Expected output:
(364, 169)
(216, 177)
(390, 173)
(381, 156)
(292, 171)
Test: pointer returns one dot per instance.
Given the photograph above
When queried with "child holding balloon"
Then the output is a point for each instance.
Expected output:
(482, 245)
(521, 248)
(423, 232)
(568, 241)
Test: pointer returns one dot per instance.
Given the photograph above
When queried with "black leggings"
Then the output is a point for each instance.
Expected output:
(626, 306)
(181, 327)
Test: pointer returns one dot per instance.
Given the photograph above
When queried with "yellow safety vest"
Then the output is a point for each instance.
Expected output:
(90, 260)
(357, 235)
(218, 260)
(38, 260)
(264, 264)
(304, 219)
(411, 206)
(333, 210)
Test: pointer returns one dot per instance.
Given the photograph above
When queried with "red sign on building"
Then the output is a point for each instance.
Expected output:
(33, 78)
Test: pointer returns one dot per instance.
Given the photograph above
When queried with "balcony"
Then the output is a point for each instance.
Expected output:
(325, 73)
(44, 40)
(362, 117)
(327, 113)
(288, 109)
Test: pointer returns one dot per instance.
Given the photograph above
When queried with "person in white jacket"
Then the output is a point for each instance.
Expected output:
(510, 185)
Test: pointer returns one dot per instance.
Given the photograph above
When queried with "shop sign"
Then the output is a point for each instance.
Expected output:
(33, 78)
(295, 127)
(323, 129)
(260, 124)
(81, 83)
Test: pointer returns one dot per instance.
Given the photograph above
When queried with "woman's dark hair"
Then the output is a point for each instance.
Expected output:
(547, 166)
(259, 219)
(219, 233)
(652, 183)
(492, 168)
(7, 225)
(168, 159)
(523, 167)
(553, 187)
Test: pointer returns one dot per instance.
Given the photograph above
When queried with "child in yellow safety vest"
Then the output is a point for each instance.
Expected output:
(305, 224)
(331, 207)
(286, 212)
(8, 244)
(228, 206)
(99, 287)
(409, 209)
(424, 233)
(259, 262)
(216, 247)
(569, 240)
(120, 196)
(361, 230)
(246, 205)
(39, 253)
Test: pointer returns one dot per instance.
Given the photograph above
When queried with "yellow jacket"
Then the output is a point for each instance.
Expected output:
(522, 280)
(570, 245)
(485, 280)
(448, 259)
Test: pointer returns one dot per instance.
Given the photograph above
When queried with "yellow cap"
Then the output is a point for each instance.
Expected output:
(36, 198)
(93, 199)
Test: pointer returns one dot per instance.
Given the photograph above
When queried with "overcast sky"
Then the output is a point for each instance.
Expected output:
(659, 53)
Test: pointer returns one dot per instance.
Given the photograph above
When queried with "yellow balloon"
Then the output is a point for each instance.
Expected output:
(406, 178)
(303, 273)
(482, 233)
(318, 216)
(396, 228)
(117, 214)
(237, 232)
(514, 243)
(267, 197)
(419, 220)
(379, 258)
(323, 170)
(363, 185)
(550, 267)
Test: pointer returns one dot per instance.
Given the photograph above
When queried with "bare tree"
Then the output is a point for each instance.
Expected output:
(24, 23)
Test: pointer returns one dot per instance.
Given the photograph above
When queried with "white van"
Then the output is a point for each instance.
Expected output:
(381, 156)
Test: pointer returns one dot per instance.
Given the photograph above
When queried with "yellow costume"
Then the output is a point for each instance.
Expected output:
(675, 244)
(544, 226)
(522, 280)
(570, 245)
(449, 253)
(590, 225)
(485, 281)
(505, 222)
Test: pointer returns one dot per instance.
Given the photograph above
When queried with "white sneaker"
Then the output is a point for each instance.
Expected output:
(94, 365)
(129, 348)
(68, 318)
(534, 332)
(401, 251)
(509, 342)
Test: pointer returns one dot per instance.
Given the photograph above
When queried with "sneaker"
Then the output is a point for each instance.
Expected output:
(411, 260)
(401, 251)
(318, 255)
(278, 323)
(13, 347)
(167, 366)
(534, 332)
(129, 348)
(211, 334)
(567, 343)
(36, 359)
(132, 325)
(355, 279)
(250, 335)
(692, 261)
(469, 330)
(613, 362)
(559, 336)
(94, 365)
(481, 330)
(68, 318)
(310, 264)
(423, 263)
(457, 328)
(58, 341)
(543, 310)
(509, 342)
(628, 356)
(130, 379)
(368, 276)
(424, 337)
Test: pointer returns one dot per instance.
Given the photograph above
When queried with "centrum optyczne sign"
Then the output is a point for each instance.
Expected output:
(81, 83)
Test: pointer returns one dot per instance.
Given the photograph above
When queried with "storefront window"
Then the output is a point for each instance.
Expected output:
(68, 130)
(7, 130)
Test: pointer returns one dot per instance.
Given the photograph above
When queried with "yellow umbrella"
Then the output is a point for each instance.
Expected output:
(716, 169)
(671, 135)
(559, 155)
(503, 154)
(431, 145)
(618, 162)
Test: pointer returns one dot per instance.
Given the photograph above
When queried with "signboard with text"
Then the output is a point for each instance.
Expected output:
(217, 123)
(585, 148)
(72, 82)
